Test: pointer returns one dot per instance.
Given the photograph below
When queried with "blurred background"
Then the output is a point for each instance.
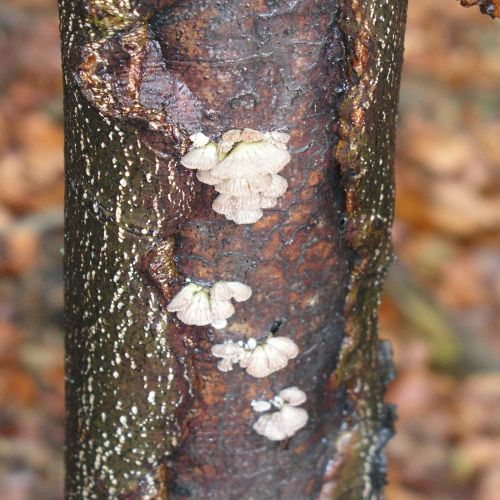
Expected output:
(441, 309)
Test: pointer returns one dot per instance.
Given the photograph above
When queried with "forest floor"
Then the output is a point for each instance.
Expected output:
(443, 294)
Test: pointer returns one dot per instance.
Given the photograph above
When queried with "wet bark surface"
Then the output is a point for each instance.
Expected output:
(148, 412)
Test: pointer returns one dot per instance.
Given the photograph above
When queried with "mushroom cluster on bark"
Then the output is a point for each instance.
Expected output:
(243, 168)
(199, 305)
(286, 420)
(260, 359)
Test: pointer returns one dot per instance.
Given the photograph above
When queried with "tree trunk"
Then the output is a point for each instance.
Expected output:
(148, 413)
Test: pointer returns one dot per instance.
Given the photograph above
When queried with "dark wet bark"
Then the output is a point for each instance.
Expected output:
(148, 412)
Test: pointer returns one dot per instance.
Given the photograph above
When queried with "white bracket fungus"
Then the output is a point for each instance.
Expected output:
(268, 356)
(243, 168)
(200, 306)
(203, 155)
(287, 420)
(261, 406)
(227, 290)
(230, 353)
(260, 359)
(219, 324)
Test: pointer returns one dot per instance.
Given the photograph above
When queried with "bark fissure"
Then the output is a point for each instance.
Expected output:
(367, 125)
(147, 409)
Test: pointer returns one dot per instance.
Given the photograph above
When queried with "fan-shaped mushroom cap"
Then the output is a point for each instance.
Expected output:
(199, 139)
(259, 361)
(244, 187)
(202, 158)
(198, 312)
(206, 177)
(270, 427)
(224, 147)
(219, 324)
(251, 135)
(245, 358)
(270, 356)
(276, 186)
(293, 396)
(230, 353)
(245, 216)
(278, 358)
(281, 424)
(228, 140)
(279, 139)
(260, 406)
(227, 204)
(182, 300)
(250, 159)
(284, 344)
(233, 136)
(242, 210)
(267, 202)
(229, 350)
(225, 365)
(221, 309)
(263, 361)
(227, 290)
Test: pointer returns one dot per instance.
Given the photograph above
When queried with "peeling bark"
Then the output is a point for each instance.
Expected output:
(148, 412)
